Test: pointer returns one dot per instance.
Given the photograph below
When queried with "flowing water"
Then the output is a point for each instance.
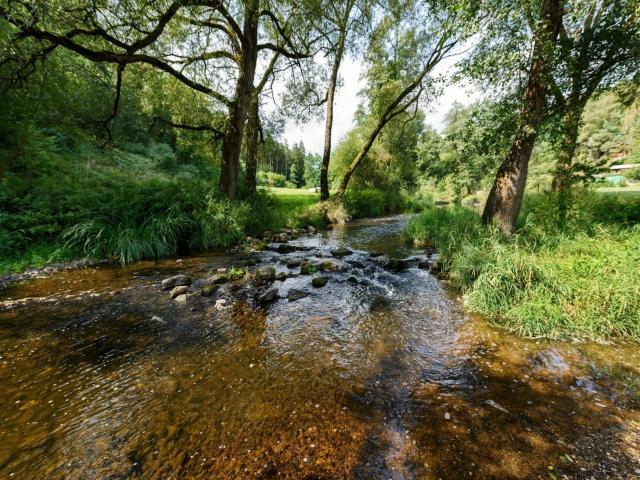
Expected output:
(381, 376)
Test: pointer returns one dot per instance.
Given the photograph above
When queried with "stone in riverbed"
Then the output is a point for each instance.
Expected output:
(396, 264)
(295, 294)
(269, 296)
(281, 276)
(311, 229)
(341, 252)
(282, 237)
(176, 281)
(352, 279)
(178, 291)
(209, 290)
(181, 298)
(293, 262)
(216, 280)
(329, 267)
(319, 281)
(266, 274)
(307, 268)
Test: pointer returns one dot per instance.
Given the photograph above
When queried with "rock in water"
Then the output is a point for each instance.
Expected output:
(341, 252)
(319, 281)
(178, 291)
(307, 268)
(209, 290)
(266, 274)
(282, 276)
(329, 267)
(396, 264)
(216, 280)
(176, 281)
(295, 294)
(269, 296)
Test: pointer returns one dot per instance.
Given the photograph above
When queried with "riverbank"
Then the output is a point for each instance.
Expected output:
(576, 280)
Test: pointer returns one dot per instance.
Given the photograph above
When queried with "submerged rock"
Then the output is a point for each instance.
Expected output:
(176, 281)
(178, 291)
(319, 281)
(352, 279)
(269, 296)
(396, 264)
(295, 294)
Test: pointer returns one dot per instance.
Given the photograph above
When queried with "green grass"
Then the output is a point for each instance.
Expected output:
(576, 280)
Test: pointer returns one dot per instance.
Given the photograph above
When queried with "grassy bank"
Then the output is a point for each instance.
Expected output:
(579, 279)
(64, 198)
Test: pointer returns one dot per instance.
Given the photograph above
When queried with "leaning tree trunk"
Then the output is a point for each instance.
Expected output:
(361, 154)
(252, 145)
(505, 198)
(331, 91)
(232, 141)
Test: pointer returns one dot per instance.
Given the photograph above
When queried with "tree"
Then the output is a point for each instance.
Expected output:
(338, 20)
(409, 42)
(474, 141)
(505, 198)
(599, 45)
(298, 156)
(213, 47)
(253, 126)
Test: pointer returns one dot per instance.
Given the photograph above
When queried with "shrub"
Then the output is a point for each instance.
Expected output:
(372, 202)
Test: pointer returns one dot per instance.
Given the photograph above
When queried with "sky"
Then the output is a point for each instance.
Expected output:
(347, 100)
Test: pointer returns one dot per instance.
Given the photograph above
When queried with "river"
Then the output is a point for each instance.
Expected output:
(379, 374)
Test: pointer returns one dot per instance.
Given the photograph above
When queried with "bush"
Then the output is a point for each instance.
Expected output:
(577, 280)
(372, 202)
(273, 179)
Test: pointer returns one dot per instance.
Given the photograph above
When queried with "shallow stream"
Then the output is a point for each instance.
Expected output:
(380, 374)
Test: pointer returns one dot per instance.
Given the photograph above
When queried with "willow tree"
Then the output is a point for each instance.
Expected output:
(599, 46)
(211, 46)
(505, 198)
(410, 41)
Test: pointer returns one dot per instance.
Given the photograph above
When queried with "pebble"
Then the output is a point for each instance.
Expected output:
(447, 416)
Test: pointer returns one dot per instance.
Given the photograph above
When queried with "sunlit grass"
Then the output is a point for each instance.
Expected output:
(579, 280)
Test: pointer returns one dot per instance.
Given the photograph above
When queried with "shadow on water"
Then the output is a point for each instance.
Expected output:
(377, 375)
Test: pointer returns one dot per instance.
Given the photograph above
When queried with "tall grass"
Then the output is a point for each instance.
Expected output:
(579, 279)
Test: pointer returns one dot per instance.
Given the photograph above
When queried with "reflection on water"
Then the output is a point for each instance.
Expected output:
(103, 376)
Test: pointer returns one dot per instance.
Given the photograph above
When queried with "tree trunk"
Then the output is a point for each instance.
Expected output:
(232, 141)
(331, 90)
(568, 144)
(252, 145)
(505, 198)
(361, 154)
